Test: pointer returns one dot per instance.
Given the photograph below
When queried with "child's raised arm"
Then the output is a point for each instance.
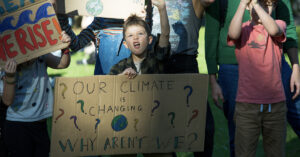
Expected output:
(9, 82)
(63, 61)
(235, 26)
(269, 23)
(164, 22)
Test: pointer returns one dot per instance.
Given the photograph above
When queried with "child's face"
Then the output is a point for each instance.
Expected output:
(137, 40)
(268, 7)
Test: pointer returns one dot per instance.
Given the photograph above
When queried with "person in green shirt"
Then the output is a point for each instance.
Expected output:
(224, 80)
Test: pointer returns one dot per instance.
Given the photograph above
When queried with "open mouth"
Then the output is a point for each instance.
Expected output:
(136, 45)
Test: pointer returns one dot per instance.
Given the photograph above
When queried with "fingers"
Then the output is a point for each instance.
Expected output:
(155, 2)
(216, 101)
(160, 4)
(296, 86)
(292, 86)
(296, 94)
(10, 66)
(65, 37)
(131, 73)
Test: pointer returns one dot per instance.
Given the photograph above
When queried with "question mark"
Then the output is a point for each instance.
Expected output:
(193, 116)
(98, 121)
(64, 90)
(82, 105)
(172, 119)
(135, 123)
(155, 107)
(62, 113)
(189, 94)
(75, 119)
(195, 138)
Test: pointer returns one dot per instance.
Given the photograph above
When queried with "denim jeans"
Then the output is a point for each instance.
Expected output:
(228, 80)
(293, 106)
(111, 50)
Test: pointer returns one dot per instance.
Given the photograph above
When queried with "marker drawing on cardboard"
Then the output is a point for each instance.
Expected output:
(147, 114)
(28, 32)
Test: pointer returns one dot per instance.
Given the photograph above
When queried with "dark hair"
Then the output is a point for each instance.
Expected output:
(266, 1)
(135, 20)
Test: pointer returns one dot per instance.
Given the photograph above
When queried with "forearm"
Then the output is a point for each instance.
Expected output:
(212, 79)
(64, 61)
(56, 62)
(9, 90)
(268, 22)
(80, 41)
(235, 26)
(165, 28)
(198, 8)
(293, 56)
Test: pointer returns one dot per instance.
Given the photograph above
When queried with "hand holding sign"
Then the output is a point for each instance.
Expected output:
(29, 32)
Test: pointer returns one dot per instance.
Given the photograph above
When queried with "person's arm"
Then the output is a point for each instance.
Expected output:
(284, 12)
(62, 62)
(212, 33)
(295, 78)
(268, 22)
(164, 23)
(85, 36)
(9, 82)
(235, 26)
(200, 5)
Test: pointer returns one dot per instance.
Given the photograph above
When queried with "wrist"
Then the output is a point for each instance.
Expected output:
(212, 79)
(10, 75)
(162, 9)
(66, 51)
(295, 67)
(9, 80)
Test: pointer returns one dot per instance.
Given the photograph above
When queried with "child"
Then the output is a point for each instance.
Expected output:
(28, 93)
(260, 101)
(137, 37)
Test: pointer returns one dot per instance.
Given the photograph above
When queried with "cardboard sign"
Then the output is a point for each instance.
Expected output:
(103, 115)
(10, 6)
(118, 9)
(28, 32)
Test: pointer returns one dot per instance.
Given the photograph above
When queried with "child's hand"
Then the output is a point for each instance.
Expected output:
(160, 4)
(10, 67)
(130, 72)
(140, 13)
(253, 2)
(65, 38)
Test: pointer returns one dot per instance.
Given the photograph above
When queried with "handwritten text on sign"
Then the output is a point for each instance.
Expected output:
(29, 33)
(115, 115)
